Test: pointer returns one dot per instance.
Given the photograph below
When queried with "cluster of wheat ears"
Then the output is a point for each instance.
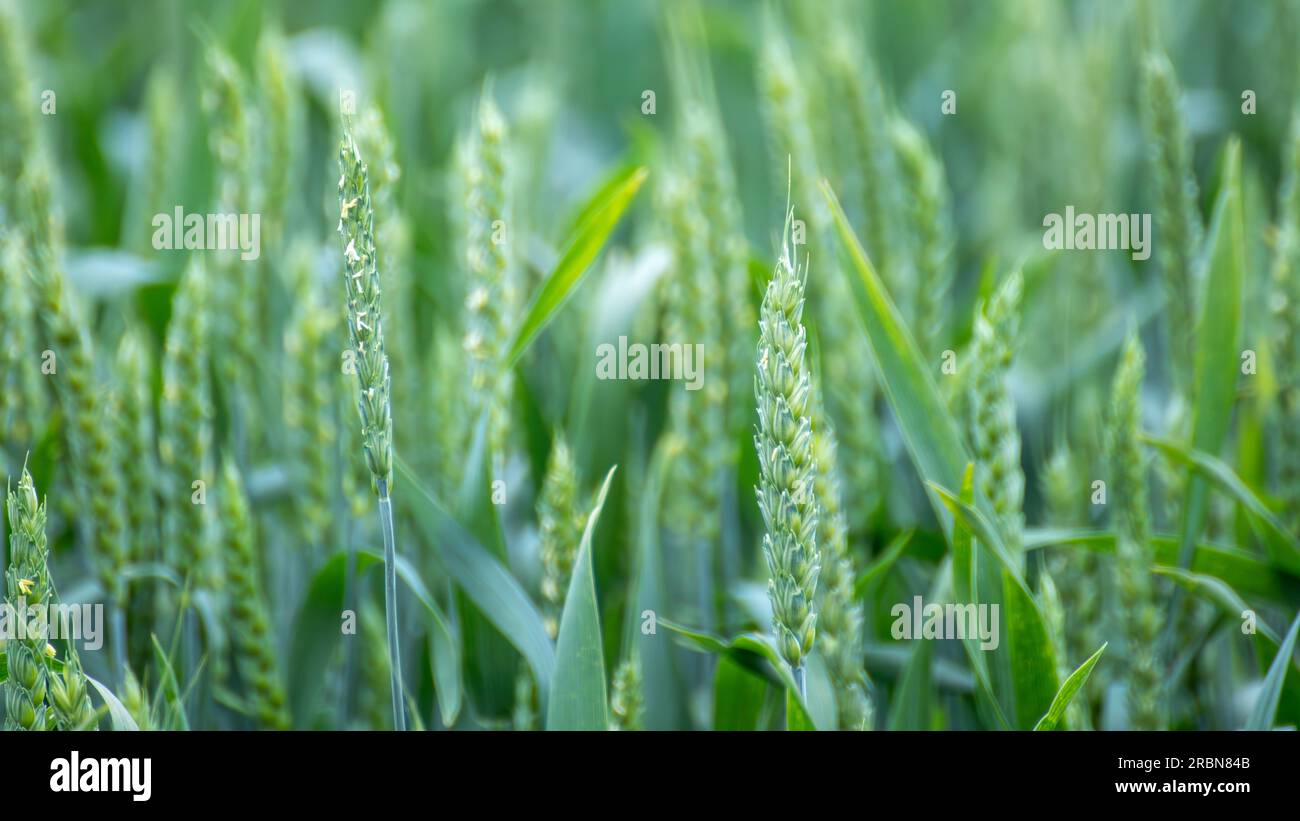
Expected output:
(368, 479)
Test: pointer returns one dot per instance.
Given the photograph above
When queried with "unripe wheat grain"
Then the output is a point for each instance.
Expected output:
(784, 442)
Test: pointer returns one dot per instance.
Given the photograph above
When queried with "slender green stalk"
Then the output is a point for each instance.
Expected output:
(784, 442)
(390, 604)
(366, 339)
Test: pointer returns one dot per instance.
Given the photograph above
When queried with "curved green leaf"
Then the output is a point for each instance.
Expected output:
(931, 434)
(596, 222)
(578, 696)
(1073, 684)
(489, 585)
(1261, 718)
(882, 563)
(738, 696)
(1032, 654)
(117, 712)
(1247, 573)
(1283, 548)
(444, 639)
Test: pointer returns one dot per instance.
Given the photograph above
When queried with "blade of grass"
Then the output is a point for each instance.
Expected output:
(1217, 348)
(578, 696)
(1032, 654)
(1261, 718)
(1251, 574)
(594, 228)
(931, 435)
(1073, 684)
(1283, 548)
(489, 585)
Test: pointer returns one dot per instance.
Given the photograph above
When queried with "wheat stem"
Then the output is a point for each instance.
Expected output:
(390, 606)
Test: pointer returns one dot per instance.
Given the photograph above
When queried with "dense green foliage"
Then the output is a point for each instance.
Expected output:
(347, 471)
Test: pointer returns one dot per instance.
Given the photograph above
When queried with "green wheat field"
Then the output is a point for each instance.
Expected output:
(650, 365)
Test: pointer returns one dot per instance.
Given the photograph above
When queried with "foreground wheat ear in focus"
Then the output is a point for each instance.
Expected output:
(371, 474)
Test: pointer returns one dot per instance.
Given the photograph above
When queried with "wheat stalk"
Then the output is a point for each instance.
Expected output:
(560, 523)
(136, 431)
(696, 418)
(37, 695)
(27, 580)
(1178, 223)
(366, 338)
(1285, 331)
(992, 424)
(22, 394)
(279, 115)
(851, 401)
(840, 618)
(186, 429)
(872, 163)
(1139, 614)
(931, 229)
(710, 166)
(253, 643)
(490, 303)
(786, 496)
(309, 401)
(1074, 573)
(626, 701)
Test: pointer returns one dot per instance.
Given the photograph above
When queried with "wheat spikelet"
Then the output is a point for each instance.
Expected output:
(931, 229)
(992, 424)
(625, 699)
(22, 391)
(697, 418)
(234, 299)
(309, 400)
(1128, 487)
(783, 440)
(37, 695)
(560, 523)
(490, 304)
(253, 642)
(840, 617)
(1178, 223)
(185, 422)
